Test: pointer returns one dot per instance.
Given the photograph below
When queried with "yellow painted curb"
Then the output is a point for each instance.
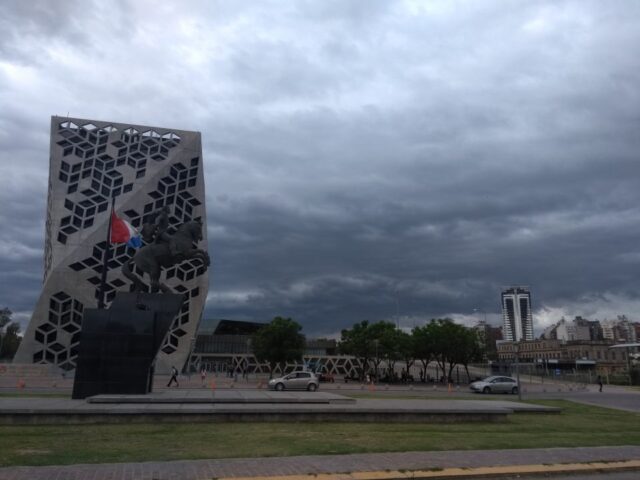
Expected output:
(478, 472)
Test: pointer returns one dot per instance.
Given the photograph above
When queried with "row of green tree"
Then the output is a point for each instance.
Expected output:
(441, 340)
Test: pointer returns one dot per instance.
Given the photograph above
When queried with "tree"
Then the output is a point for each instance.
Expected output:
(358, 342)
(370, 344)
(388, 345)
(279, 342)
(10, 338)
(467, 348)
(5, 317)
(424, 349)
(445, 338)
(454, 344)
(406, 349)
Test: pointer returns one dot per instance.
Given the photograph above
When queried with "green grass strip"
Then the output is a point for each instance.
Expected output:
(577, 425)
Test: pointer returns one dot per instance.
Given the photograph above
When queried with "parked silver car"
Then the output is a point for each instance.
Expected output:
(295, 381)
(495, 384)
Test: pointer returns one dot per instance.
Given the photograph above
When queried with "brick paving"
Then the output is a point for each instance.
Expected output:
(315, 464)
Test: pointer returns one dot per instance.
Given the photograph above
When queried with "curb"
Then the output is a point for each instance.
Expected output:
(461, 473)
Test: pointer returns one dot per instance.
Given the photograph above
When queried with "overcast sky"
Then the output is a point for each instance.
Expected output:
(364, 159)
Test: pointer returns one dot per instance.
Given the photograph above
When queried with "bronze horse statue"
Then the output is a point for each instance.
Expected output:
(177, 248)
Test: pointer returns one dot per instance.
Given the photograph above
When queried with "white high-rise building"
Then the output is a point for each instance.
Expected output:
(516, 314)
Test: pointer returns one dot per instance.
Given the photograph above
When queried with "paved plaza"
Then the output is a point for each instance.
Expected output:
(254, 406)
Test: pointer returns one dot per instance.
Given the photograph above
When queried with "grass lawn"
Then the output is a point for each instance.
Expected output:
(577, 425)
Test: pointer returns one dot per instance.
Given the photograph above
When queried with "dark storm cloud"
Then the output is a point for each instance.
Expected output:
(364, 160)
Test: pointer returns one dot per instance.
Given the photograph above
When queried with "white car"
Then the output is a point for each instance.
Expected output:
(295, 381)
(495, 384)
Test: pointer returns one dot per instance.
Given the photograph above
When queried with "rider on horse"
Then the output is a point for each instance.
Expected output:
(156, 232)
(164, 250)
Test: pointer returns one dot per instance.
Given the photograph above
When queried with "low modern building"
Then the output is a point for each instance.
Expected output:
(227, 349)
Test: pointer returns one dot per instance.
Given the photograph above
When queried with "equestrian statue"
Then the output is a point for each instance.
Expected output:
(164, 250)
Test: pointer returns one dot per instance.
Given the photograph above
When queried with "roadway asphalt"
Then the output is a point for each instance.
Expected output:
(620, 398)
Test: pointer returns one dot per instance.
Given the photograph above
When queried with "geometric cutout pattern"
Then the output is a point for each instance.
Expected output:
(64, 315)
(347, 366)
(177, 330)
(89, 169)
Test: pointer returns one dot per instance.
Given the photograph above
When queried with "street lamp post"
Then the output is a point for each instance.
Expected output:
(376, 342)
(483, 337)
(629, 366)
(397, 311)
(517, 350)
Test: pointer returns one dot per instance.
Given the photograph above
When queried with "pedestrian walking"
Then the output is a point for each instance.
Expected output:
(174, 377)
(599, 382)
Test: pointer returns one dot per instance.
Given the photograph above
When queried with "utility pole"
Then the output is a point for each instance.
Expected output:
(397, 311)
(517, 345)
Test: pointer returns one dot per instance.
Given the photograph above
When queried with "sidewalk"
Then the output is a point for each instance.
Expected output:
(385, 465)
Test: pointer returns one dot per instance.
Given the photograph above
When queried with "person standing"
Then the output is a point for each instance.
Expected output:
(174, 377)
(599, 382)
(203, 376)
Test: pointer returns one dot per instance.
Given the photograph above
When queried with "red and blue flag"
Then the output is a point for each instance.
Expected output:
(123, 232)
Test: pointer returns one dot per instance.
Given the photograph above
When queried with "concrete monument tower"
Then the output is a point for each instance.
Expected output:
(144, 169)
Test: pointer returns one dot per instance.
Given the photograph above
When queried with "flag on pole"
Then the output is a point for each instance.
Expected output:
(123, 232)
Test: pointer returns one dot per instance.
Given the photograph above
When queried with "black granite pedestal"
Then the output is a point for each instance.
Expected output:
(118, 346)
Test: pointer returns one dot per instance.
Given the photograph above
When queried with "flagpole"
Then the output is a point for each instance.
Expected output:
(105, 260)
